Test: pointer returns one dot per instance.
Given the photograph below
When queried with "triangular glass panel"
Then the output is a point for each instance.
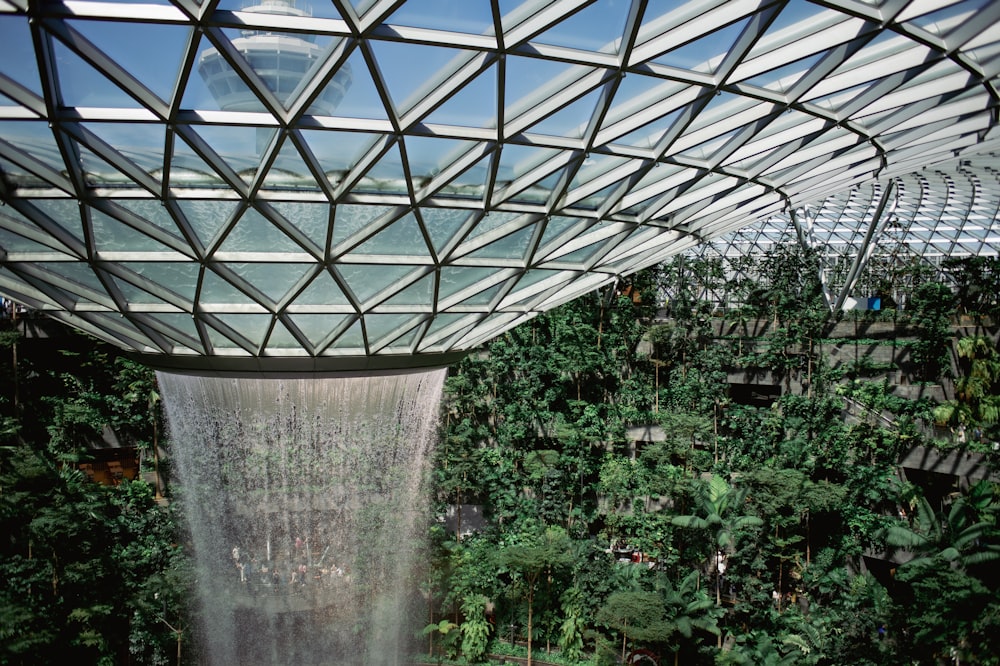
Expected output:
(99, 173)
(405, 87)
(111, 235)
(556, 226)
(378, 327)
(317, 327)
(803, 15)
(282, 338)
(517, 160)
(255, 233)
(34, 138)
(402, 344)
(188, 169)
(289, 171)
(472, 105)
(708, 150)
(581, 256)
(351, 339)
(470, 184)
(64, 212)
(337, 152)
(18, 177)
(472, 17)
(540, 191)
(570, 121)
(369, 280)
(82, 85)
(239, 147)
(286, 8)
(13, 243)
(253, 327)
(322, 291)
(220, 341)
(207, 217)
(80, 274)
(217, 290)
(512, 246)
(530, 81)
(178, 326)
(152, 211)
(649, 134)
(19, 61)
(443, 224)
(312, 219)
(491, 221)
(402, 237)
(361, 99)
(443, 321)
(420, 293)
(598, 27)
(350, 219)
(121, 41)
(282, 60)
(135, 295)
(141, 144)
(179, 277)
(427, 156)
(705, 54)
(274, 280)
(482, 298)
(782, 79)
(215, 84)
(385, 176)
(456, 278)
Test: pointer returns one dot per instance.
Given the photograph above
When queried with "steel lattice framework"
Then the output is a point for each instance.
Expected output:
(874, 229)
(385, 182)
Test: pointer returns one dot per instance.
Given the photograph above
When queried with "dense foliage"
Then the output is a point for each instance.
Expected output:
(92, 574)
(740, 533)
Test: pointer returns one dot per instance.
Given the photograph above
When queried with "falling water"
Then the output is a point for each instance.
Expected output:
(305, 503)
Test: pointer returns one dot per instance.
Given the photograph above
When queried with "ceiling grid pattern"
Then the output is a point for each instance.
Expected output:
(398, 178)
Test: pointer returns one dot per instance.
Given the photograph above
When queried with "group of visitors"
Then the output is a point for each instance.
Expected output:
(293, 577)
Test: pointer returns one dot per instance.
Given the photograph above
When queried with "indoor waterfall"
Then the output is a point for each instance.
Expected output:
(305, 501)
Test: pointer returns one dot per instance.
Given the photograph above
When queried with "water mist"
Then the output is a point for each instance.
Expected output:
(305, 500)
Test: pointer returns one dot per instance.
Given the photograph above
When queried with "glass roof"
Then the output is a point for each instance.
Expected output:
(392, 178)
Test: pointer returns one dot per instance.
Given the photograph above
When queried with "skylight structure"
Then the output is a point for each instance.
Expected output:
(370, 183)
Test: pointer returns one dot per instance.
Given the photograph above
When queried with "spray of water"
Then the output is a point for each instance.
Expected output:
(305, 503)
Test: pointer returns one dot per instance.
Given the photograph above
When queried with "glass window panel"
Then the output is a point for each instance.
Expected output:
(471, 16)
(637, 93)
(187, 169)
(82, 85)
(289, 171)
(207, 217)
(135, 295)
(11, 242)
(311, 219)
(783, 78)
(456, 278)
(282, 338)
(181, 322)
(420, 293)
(78, 273)
(19, 61)
(516, 160)
(323, 290)
(151, 210)
(471, 183)
(540, 191)
(317, 327)
(411, 71)
(705, 54)
(99, 173)
(214, 84)
(597, 27)
(251, 326)
(795, 22)
(239, 147)
(337, 152)
(473, 105)
(64, 212)
(556, 226)
(111, 235)
(352, 339)
(131, 44)
(402, 344)
(529, 81)
(361, 100)
(385, 176)
(483, 298)
(367, 280)
(255, 233)
(402, 237)
(491, 221)
(379, 326)
(221, 342)
(350, 219)
(571, 121)
(179, 277)
(944, 20)
(321, 9)
(442, 224)
(34, 139)
(274, 280)
(511, 246)
(429, 155)
(140, 143)
(217, 290)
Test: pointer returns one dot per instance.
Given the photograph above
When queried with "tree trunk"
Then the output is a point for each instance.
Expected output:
(531, 598)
